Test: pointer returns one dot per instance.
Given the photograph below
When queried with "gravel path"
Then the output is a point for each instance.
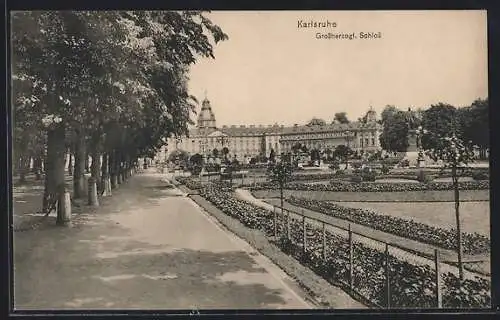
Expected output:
(146, 247)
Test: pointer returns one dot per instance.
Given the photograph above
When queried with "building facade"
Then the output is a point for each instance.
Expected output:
(244, 142)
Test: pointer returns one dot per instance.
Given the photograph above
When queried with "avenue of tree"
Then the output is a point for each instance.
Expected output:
(111, 85)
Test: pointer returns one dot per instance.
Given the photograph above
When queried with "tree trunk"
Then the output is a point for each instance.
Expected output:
(79, 183)
(54, 177)
(112, 169)
(32, 164)
(105, 180)
(70, 164)
(23, 169)
(457, 217)
(96, 169)
(38, 167)
(118, 168)
(87, 165)
(104, 170)
(93, 199)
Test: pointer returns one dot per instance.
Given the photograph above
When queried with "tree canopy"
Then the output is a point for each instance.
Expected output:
(115, 81)
(341, 117)
(394, 136)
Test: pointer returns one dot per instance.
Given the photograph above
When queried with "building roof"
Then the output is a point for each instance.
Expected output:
(253, 130)
(355, 126)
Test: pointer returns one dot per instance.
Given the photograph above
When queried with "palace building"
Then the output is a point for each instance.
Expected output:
(244, 142)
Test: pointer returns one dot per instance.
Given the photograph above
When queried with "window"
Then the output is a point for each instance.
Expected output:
(366, 141)
(373, 141)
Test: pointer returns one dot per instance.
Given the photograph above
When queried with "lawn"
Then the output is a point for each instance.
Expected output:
(475, 216)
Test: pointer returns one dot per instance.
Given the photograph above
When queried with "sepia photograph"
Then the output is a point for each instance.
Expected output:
(250, 160)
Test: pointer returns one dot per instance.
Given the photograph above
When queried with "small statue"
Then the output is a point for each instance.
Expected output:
(411, 120)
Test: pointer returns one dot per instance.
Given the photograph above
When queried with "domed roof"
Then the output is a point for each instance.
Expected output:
(206, 118)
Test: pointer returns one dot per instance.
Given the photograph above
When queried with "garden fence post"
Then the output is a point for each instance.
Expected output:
(387, 276)
(275, 222)
(304, 240)
(288, 222)
(324, 241)
(437, 263)
(351, 262)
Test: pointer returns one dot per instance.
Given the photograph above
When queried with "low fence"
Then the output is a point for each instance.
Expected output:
(307, 242)
(240, 179)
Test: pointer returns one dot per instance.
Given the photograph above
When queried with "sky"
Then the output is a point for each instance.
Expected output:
(270, 70)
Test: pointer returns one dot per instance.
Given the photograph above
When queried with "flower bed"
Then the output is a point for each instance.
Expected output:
(190, 183)
(472, 243)
(411, 286)
(338, 186)
(397, 176)
(253, 166)
(319, 176)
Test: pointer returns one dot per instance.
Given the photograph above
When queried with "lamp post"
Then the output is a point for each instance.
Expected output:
(420, 132)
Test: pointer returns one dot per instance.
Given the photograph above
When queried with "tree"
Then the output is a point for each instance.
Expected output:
(280, 173)
(196, 163)
(315, 155)
(394, 136)
(296, 147)
(328, 153)
(474, 121)
(388, 112)
(316, 122)
(179, 155)
(341, 117)
(272, 156)
(114, 81)
(225, 152)
(215, 152)
(343, 152)
(455, 154)
(234, 166)
(440, 120)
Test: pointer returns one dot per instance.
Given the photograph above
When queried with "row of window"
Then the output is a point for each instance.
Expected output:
(309, 144)
(213, 143)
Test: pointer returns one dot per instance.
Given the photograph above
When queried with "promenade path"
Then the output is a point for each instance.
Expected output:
(147, 247)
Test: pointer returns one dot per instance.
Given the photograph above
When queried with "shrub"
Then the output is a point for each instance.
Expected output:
(356, 164)
(423, 177)
(368, 175)
(334, 165)
(478, 176)
(385, 169)
(356, 179)
(391, 162)
(190, 183)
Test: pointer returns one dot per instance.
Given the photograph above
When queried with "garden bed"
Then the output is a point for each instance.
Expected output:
(411, 286)
(473, 243)
(378, 187)
(409, 196)
(475, 215)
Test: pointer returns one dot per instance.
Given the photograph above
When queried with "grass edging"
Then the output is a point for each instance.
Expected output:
(322, 291)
